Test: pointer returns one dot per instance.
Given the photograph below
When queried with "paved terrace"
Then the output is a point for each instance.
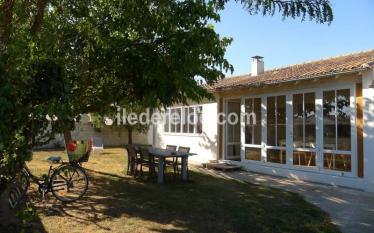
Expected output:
(352, 210)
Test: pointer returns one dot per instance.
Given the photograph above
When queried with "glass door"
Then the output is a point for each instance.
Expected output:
(233, 129)
(276, 129)
(337, 130)
(253, 129)
(304, 130)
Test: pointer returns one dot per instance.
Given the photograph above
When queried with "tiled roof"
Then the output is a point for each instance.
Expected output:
(311, 70)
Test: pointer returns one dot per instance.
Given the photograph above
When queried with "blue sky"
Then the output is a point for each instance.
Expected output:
(290, 41)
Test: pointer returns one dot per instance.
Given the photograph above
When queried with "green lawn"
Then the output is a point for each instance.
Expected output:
(118, 203)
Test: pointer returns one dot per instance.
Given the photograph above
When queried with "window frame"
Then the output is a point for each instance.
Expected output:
(183, 120)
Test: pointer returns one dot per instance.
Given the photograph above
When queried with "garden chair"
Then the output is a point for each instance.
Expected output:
(171, 161)
(182, 149)
(132, 160)
(97, 144)
(146, 160)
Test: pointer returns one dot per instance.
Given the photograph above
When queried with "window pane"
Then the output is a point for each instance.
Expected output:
(253, 121)
(233, 151)
(199, 126)
(257, 126)
(178, 120)
(233, 120)
(253, 153)
(343, 162)
(185, 120)
(310, 120)
(298, 131)
(248, 121)
(329, 120)
(337, 162)
(191, 120)
(281, 121)
(276, 156)
(172, 120)
(166, 123)
(343, 119)
(303, 158)
(248, 134)
(271, 133)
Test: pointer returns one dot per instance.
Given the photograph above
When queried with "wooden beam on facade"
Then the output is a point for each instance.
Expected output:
(360, 133)
(220, 129)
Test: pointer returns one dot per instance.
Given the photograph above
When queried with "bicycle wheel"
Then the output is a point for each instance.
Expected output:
(22, 181)
(69, 183)
(18, 188)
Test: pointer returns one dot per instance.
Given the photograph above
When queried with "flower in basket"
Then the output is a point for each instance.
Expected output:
(72, 146)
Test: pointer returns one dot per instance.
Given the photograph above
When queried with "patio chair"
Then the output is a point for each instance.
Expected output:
(138, 147)
(146, 160)
(182, 149)
(97, 144)
(171, 161)
(132, 160)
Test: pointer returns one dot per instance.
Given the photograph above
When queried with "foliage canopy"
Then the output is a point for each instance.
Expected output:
(62, 58)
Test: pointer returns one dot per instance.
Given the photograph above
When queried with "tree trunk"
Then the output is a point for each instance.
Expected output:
(6, 22)
(130, 135)
(67, 137)
(38, 20)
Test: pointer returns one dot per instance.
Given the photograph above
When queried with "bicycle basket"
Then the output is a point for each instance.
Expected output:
(78, 153)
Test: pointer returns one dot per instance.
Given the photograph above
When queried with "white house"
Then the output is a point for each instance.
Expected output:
(314, 121)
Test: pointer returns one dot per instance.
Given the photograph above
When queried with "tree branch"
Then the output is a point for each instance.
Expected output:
(318, 10)
(38, 20)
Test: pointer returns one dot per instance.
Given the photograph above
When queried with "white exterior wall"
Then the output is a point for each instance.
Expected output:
(368, 120)
(204, 145)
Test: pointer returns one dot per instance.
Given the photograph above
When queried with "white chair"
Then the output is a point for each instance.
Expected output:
(97, 144)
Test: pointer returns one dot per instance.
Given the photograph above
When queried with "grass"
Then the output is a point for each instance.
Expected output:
(118, 203)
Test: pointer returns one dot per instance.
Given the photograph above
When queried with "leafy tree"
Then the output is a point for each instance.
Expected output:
(61, 58)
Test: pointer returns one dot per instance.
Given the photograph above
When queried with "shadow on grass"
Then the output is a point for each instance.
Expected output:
(203, 204)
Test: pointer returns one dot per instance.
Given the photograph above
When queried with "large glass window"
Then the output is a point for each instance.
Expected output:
(304, 129)
(337, 130)
(276, 129)
(253, 129)
(184, 120)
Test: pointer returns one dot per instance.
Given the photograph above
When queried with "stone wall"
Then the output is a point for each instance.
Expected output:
(111, 136)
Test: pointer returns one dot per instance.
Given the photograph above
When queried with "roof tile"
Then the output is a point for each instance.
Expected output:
(316, 69)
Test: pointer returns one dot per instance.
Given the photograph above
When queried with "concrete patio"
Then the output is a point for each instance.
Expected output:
(352, 210)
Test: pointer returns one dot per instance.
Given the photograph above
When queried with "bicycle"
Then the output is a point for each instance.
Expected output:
(68, 182)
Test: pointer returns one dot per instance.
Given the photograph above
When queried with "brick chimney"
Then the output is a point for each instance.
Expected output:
(257, 65)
